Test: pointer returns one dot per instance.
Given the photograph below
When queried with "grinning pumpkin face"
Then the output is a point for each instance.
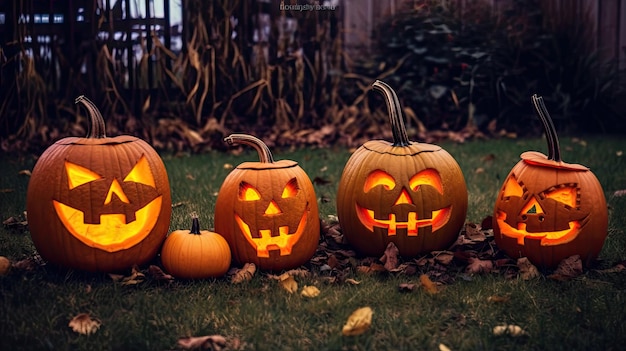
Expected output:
(549, 213)
(122, 206)
(267, 211)
(262, 221)
(548, 210)
(412, 194)
(98, 203)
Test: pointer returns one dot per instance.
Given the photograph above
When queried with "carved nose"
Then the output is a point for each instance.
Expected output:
(272, 209)
(116, 189)
(404, 198)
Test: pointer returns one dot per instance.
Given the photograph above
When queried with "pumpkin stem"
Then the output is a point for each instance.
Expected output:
(96, 128)
(400, 137)
(554, 150)
(195, 224)
(265, 155)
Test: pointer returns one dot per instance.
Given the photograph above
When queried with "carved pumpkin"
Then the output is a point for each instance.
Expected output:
(195, 254)
(412, 194)
(548, 210)
(98, 203)
(267, 211)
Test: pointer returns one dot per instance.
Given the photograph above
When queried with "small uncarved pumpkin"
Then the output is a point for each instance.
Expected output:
(267, 211)
(548, 210)
(98, 203)
(412, 194)
(195, 253)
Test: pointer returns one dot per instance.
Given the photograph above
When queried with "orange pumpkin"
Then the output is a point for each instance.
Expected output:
(267, 211)
(195, 253)
(548, 210)
(98, 203)
(412, 194)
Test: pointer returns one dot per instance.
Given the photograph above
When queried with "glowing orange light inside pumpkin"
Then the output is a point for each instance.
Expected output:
(547, 238)
(264, 241)
(427, 177)
(113, 233)
(248, 193)
(404, 198)
(437, 220)
(377, 178)
(291, 189)
(78, 175)
(273, 209)
(567, 195)
(512, 188)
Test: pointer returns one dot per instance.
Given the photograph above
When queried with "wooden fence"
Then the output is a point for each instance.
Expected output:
(607, 20)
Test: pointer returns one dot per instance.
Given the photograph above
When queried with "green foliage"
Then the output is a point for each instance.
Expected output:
(469, 66)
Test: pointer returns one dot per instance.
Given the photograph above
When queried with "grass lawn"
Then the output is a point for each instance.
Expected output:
(588, 312)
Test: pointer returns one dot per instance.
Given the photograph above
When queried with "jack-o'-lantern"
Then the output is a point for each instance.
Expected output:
(98, 203)
(267, 211)
(412, 194)
(548, 210)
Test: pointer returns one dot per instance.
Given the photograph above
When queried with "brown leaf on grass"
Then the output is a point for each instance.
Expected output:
(567, 269)
(310, 291)
(289, 284)
(474, 233)
(406, 287)
(390, 257)
(510, 329)
(358, 323)
(428, 284)
(619, 193)
(443, 257)
(244, 274)
(83, 324)
(27, 264)
(527, 270)
(210, 342)
(5, 265)
(156, 273)
(498, 298)
(477, 265)
(352, 281)
(25, 172)
(134, 278)
(619, 267)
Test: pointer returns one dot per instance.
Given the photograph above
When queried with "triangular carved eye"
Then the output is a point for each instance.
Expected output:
(79, 175)
(565, 194)
(291, 189)
(248, 193)
(377, 178)
(141, 173)
(512, 188)
(427, 177)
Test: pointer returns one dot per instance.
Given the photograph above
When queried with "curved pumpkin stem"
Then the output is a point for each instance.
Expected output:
(265, 155)
(554, 150)
(400, 137)
(195, 224)
(96, 126)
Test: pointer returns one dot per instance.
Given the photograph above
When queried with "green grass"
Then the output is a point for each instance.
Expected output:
(586, 313)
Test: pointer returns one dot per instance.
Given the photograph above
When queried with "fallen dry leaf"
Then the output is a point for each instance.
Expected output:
(289, 284)
(310, 291)
(443, 347)
(428, 284)
(352, 281)
(134, 278)
(5, 265)
(527, 270)
(244, 274)
(83, 324)
(443, 257)
(359, 321)
(498, 298)
(156, 273)
(210, 342)
(25, 172)
(406, 287)
(390, 257)
(567, 269)
(510, 329)
(478, 266)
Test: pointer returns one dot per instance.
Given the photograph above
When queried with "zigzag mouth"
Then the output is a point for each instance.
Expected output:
(265, 242)
(547, 238)
(438, 219)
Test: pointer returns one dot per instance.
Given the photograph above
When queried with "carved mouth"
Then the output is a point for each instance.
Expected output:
(437, 220)
(265, 242)
(547, 238)
(113, 233)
